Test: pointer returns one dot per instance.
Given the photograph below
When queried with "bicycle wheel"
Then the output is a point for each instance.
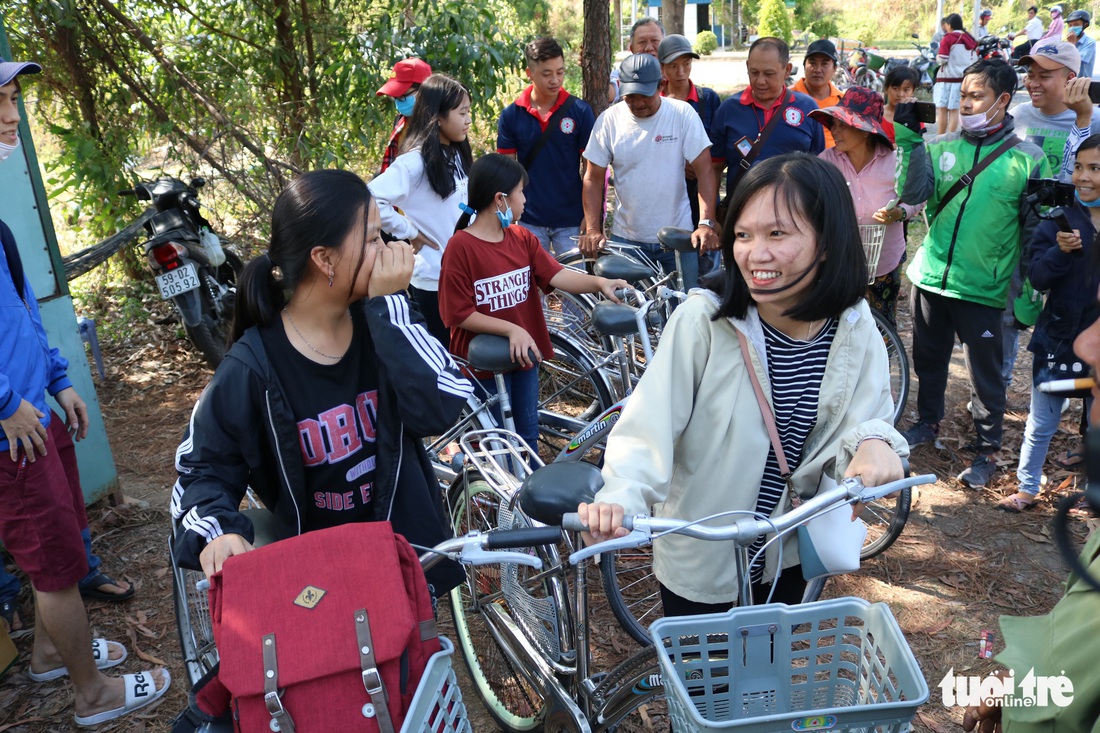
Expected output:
(193, 622)
(573, 391)
(475, 415)
(503, 686)
(899, 363)
(885, 519)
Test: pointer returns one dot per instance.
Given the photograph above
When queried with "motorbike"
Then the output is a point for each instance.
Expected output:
(925, 63)
(995, 47)
(191, 266)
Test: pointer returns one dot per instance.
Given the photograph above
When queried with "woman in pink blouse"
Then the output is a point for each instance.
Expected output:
(865, 156)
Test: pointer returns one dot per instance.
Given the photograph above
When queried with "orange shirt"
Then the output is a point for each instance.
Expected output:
(832, 100)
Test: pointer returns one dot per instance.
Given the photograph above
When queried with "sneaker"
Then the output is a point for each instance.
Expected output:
(920, 433)
(981, 470)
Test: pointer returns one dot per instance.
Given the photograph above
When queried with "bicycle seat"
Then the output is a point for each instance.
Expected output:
(612, 319)
(618, 267)
(557, 488)
(491, 353)
(675, 240)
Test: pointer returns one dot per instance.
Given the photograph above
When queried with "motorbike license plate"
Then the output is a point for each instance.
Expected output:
(178, 281)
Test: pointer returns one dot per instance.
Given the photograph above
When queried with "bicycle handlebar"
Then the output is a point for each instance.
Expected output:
(744, 531)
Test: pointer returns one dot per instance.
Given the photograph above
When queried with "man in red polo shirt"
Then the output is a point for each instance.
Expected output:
(547, 129)
(741, 119)
(817, 81)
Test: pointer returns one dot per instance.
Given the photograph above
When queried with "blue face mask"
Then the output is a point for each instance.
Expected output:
(1087, 204)
(1077, 30)
(504, 217)
(405, 104)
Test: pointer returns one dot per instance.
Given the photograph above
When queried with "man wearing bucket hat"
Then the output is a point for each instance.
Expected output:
(647, 140)
(865, 155)
(1076, 24)
(817, 77)
(41, 510)
(408, 75)
(675, 54)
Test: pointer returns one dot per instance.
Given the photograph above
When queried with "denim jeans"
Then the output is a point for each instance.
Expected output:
(523, 392)
(555, 240)
(689, 261)
(9, 584)
(1042, 424)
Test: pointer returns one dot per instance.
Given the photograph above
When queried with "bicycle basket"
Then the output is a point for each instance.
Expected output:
(841, 665)
(872, 236)
(874, 61)
(437, 706)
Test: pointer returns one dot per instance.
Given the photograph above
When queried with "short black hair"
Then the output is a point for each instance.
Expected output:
(955, 21)
(772, 42)
(815, 189)
(645, 20)
(898, 75)
(542, 49)
(996, 74)
(1033, 9)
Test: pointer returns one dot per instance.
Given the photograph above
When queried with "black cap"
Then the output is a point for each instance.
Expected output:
(824, 47)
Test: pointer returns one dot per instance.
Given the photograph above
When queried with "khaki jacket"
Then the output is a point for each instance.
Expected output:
(691, 441)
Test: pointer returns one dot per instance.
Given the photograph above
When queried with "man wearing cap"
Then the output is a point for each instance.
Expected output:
(675, 54)
(982, 29)
(817, 78)
(41, 507)
(645, 37)
(408, 75)
(743, 119)
(1033, 30)
(647, 140)
(547, 129)
(1054, 32)
(1076, 24)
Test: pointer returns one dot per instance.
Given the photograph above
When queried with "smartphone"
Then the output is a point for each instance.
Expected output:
(926, 111)
(1094, 91)
(892, 205)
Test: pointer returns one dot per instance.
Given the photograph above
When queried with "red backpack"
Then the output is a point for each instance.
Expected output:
(328, 631)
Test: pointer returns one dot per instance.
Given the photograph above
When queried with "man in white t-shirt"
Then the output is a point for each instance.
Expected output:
(647, 140)
(1033, 30)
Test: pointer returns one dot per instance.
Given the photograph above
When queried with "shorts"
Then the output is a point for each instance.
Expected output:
(946, 94)
(42, 513)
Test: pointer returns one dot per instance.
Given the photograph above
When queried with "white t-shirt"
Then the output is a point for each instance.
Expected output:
(1034, 29)
(648, 157)
(1049, 132)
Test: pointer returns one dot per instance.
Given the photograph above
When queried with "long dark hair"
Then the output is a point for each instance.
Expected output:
(817, 191)
(489, 175)
(318, 208)
(438, 95)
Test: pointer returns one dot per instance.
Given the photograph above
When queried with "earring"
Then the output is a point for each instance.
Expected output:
(331, 276)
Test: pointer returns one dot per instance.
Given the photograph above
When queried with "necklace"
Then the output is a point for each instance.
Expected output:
(312, 348)
(809, 330)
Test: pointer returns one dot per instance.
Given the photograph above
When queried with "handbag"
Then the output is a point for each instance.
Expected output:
(830, 543)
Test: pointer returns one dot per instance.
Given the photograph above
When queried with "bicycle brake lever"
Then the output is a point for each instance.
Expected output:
(473, 554)
(636, 538)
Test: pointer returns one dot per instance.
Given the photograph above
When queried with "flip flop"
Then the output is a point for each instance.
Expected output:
(1070, 459)
(8, 611)
(141, 690)
(101, 654)
(91, 591)
(1014, 504)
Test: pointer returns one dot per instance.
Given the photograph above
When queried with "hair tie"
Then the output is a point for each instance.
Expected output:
(466, 208)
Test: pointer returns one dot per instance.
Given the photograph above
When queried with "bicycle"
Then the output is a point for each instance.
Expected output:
(525, 636)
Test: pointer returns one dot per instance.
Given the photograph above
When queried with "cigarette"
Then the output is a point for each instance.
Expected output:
(1068, 385)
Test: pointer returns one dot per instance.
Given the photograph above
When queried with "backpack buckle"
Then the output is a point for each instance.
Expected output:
(372, 681)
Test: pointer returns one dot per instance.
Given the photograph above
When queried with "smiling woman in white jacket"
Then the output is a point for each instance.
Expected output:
(692, 440)
(427, 182)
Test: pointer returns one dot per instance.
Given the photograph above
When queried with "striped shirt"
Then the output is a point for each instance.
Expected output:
(795, 371)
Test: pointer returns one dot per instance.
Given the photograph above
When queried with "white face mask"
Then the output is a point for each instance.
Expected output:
(7, 150)
(976, 123)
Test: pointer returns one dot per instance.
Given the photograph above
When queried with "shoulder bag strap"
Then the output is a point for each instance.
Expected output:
(765, 411)
(757, 147)
(968, 178)
(15, 265)
(550, 125)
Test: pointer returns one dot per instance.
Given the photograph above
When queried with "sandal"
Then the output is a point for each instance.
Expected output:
(8, 611)
(141, 690)
(1015, 504)
(1070, 459)
(101, 652)
(91, 591)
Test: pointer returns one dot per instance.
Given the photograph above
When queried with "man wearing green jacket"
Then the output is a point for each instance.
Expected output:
(961, 273)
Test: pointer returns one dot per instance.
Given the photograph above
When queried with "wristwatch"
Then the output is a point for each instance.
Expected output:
(708, 223)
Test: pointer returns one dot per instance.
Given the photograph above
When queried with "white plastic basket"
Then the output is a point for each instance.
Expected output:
(872, 236)
(837, 665)
(437, 706)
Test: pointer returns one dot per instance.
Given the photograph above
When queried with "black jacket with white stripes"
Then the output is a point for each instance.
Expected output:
(242, 433)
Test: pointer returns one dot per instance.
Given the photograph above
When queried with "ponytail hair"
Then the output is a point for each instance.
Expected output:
(489, 175)
(443, 164)
(316, 209)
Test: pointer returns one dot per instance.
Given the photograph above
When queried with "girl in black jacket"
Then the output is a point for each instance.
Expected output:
(323, 398)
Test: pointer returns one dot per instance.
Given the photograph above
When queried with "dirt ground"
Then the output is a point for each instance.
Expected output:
(958, 566)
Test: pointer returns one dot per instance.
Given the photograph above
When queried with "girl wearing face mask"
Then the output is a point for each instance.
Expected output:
(418, 196)
(490, 271)
(1065, 264)
(408, 75)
